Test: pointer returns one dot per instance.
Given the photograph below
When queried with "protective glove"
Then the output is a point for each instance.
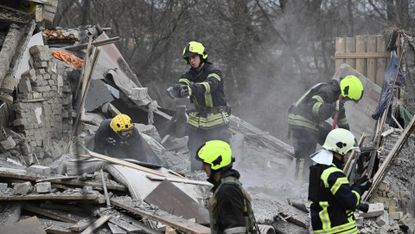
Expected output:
(111, 141)
(362, 184)
(182, 90)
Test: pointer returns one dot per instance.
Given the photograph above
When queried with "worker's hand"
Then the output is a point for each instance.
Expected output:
(363, 184)
(182, 90)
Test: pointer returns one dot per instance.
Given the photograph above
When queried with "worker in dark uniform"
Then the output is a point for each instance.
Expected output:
(118, 138)
(204, 84)
(333, 198)
(307, 117)
(230, 206)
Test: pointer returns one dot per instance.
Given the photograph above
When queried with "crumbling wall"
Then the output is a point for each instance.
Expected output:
(43, 106)
(397, 190)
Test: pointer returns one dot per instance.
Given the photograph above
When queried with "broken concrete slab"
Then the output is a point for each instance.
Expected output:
(39, 170)
(22, 188)
(27, 226)
(43, 187)
(375, 210)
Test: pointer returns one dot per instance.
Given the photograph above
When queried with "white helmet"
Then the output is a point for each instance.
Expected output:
(340, 141)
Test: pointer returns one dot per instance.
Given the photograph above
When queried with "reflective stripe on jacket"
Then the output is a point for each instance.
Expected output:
(333, 202)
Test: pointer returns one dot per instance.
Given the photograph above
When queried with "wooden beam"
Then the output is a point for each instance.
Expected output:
(380, 174)
(95, 43)
(56, 215)
(362, 55)
(179, 180)
(176, 222)
(54, 197)
(120, 162)
(98, 223)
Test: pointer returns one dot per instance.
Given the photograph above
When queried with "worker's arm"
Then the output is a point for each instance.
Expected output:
(343, 193)
(211, 83)
(342, 121)
(230, 207)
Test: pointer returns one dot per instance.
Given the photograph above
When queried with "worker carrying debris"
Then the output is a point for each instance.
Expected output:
(118, 138)
(333, 199)
(203, 83)
(230, 206)
(307, 117)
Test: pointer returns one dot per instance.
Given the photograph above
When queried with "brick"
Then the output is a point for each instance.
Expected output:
(43, 187)
(24, 86)
(22, 188)
(39, 170)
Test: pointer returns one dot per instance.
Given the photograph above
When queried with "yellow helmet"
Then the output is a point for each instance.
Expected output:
(351, 87)
(121, 122)
(194, 47)
(216, 153)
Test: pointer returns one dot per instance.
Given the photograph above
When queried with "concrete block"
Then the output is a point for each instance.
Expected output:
(39, 169)
(9, 143)
(9, 84)
(138, 93)
(43, 187)
(24, 86)
(22, 188)
(383, 219)
(375, 210)
(395, 215)
(3, 187)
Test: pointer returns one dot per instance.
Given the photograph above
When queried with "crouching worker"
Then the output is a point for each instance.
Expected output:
(230, 206)
(333, 198)
(118, 138)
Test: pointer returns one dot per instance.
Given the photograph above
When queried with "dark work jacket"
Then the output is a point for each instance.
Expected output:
(208, 97)
(230, 207)
(317, 105)
(135, 147)
(333, 200)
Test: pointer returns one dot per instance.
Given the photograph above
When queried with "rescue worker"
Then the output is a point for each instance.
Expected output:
(118, 138)
(230, 207)
(204, 84)
(333, 198)
(307, 117)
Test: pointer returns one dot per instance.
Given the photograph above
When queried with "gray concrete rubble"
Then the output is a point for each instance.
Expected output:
(51, 111)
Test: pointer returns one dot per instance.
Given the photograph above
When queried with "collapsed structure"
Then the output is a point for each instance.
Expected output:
(57, 85)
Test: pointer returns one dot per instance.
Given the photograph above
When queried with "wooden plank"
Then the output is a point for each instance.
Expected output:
(54, 197)
(98, 223)
(166, 218)
(360, 48)
(392, 154)
(380, 62)
(56, 215)
(178, 180)
(120, 162)
(351, 47)
(371, 47)
(340, 48)
(362, 55)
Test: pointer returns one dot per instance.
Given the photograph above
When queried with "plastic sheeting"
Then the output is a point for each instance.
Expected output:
(393, 78)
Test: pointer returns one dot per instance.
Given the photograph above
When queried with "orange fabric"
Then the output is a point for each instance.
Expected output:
(68, 58)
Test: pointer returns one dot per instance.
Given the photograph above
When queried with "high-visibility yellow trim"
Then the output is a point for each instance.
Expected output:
(349, 227)
(316, 108)
(339, 182)
(211, 120)
(299, 120)
(207, 87)
(326, 173)
(214, 75)
(185, 81)
(318, 98)
(324, 215)
(357, 196)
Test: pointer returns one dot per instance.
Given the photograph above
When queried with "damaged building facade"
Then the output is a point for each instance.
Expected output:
(57, 85)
